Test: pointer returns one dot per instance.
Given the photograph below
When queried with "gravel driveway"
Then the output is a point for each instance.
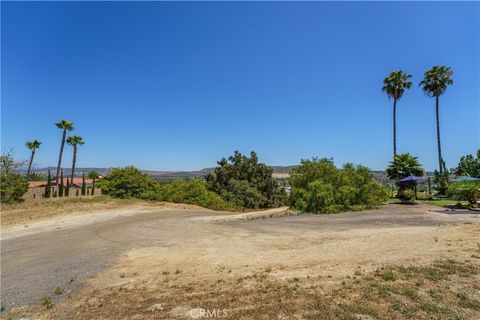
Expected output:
(33, 265)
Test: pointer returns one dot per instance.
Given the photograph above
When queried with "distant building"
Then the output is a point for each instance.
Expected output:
(37, 188)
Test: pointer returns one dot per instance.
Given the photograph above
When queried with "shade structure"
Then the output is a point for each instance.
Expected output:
(410, 178)
(462, 179)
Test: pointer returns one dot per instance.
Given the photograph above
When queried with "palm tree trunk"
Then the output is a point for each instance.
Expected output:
(60, 155)
(394, 128)
(440, 165)
(31, 161)
(73, 163)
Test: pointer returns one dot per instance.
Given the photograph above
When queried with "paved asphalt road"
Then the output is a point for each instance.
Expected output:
(32, 266)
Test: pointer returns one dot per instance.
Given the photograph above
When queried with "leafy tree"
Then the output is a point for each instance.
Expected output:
(74, 141)
(469, 165)
(12, 184)
(126, 182)
(404, 165)
(318, 186)
(65, 126)
(32, 145)
(93, 175)
(246, 182)
(48, 186)
(84, 185)
(394, 86)
(435, 83)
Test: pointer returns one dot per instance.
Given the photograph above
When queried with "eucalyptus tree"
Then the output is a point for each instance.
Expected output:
(434, 84)
(65, 125)
(394, 86)
(32, 145)
(74, 141)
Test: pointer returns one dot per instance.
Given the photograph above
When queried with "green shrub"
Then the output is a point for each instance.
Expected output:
(408, 195)
(389, 275)
(13, 187)
(126, 182)
(468, 190)
(129, 182)
(320, 197)
(245, 182)
(188, 191)
(320, 187)
(12, 184)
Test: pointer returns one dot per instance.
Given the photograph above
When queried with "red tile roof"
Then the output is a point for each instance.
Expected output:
(36, 184)
(76, 181)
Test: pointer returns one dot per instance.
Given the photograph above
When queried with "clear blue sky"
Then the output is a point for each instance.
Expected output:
(168, 86)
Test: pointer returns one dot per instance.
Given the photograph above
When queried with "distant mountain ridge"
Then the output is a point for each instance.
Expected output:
(279, 172)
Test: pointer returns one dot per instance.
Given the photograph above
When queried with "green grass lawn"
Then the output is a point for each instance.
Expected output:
(439, 202)
(444, 202)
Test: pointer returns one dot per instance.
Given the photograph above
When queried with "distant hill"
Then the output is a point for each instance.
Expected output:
(279, 172)
(67, 171)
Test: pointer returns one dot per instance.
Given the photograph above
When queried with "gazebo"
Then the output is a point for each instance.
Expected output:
(411, 180)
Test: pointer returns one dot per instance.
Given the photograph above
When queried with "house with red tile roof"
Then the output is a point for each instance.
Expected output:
(36, 189)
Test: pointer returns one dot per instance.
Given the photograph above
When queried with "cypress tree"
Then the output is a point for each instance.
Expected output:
(67, 188)
(48, 187)
(84, 185)
(77, 193)
(60, 186)
(93, 187)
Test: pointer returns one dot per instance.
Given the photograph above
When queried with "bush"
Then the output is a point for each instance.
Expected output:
(129, 182)
(468, 190)
(12, 184)
(245, 182)
(126, 183)
(408, 195)
(13, 187)
(320, 187)
(188, 191)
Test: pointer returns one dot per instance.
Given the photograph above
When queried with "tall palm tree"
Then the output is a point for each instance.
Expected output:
(65, 126)
(32, 145)
(74, 141)
(394, 86)
(435, 83)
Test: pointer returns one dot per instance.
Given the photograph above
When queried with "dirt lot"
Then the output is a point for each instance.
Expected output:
(395, 262)
(32, 210)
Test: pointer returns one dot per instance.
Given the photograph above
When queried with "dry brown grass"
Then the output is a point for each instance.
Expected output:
(445, 289)
(35, 209)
